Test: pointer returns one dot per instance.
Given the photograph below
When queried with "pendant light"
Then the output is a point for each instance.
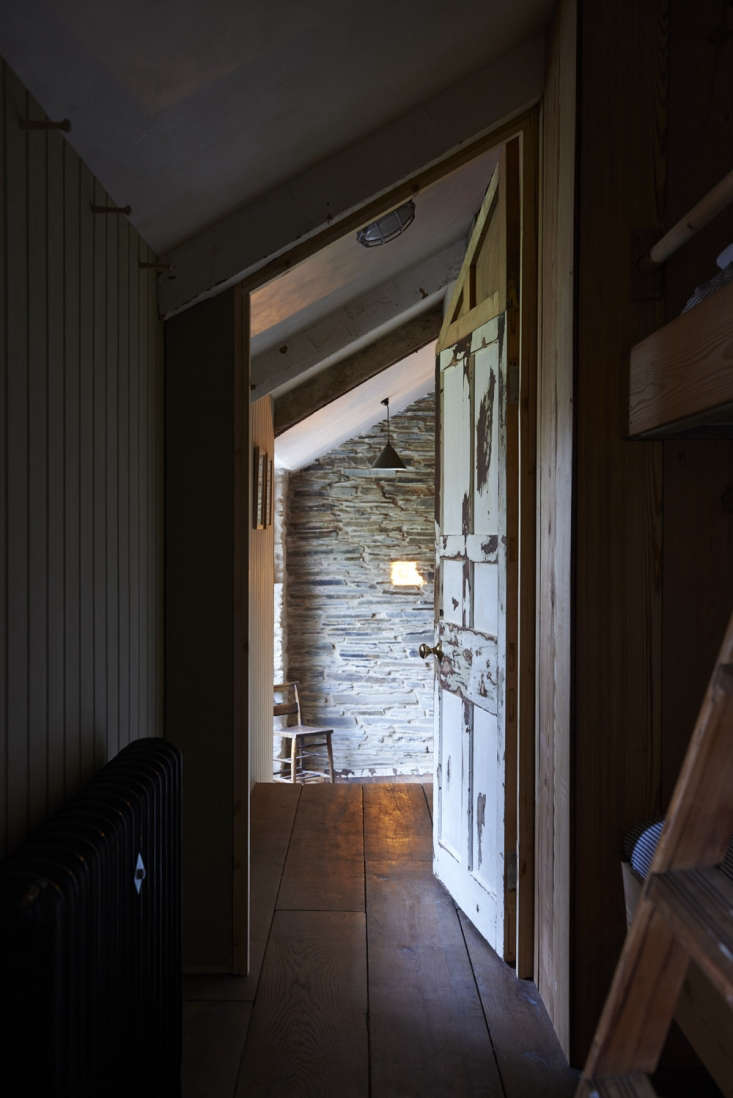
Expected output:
(389, 458)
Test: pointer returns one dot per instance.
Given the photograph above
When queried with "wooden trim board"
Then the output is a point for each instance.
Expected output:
(684, 370)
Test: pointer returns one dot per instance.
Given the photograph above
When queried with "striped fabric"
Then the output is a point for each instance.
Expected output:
(641, 844)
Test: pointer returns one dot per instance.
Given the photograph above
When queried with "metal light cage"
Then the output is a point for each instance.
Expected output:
(388, 227)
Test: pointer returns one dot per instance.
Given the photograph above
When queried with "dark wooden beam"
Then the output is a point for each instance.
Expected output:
(323, 388)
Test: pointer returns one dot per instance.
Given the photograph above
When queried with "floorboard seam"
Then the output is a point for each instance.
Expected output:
(427, 805)
(481, 1003)
(325, 910)
(267, 943)
(366, 945)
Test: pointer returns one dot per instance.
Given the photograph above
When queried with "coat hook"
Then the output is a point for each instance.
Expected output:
(110, 209)
(44, 124)
(154, 266)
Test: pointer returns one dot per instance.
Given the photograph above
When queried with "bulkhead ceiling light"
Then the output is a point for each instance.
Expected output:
(388, 227)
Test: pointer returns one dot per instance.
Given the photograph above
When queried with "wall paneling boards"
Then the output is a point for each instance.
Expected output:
(654, 528)
(554, 525)
(207, 522)
(80, 484)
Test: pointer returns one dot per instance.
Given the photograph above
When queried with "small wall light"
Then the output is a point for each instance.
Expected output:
(405, 574)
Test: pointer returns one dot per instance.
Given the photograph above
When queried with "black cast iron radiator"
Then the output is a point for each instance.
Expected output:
(90, 918)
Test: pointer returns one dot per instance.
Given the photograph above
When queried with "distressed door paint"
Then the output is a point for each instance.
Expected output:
(470, 816)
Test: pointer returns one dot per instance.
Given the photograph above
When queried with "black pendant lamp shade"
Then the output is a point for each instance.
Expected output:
(389, 458)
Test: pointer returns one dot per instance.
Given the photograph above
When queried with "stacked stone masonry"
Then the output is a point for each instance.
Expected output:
(350, 636)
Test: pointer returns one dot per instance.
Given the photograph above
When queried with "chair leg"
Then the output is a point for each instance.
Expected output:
(293, 758)
(330, 756)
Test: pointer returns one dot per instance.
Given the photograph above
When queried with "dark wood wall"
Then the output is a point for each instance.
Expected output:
(206, 568)
(698, 475)
(81, 482)
(652, 520)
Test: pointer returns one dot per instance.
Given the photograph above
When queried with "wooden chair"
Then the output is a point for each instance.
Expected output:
(287, 705)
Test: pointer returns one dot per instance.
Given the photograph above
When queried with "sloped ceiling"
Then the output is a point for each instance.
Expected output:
(355, 412)
(186, 110)
(207, 119)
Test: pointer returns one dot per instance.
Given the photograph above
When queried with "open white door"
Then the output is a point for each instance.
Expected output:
(475, 814)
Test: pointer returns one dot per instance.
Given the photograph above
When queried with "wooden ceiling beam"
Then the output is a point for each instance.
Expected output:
(357, 322)
(328, 385)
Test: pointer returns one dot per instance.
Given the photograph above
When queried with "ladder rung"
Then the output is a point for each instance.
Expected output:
(636, 1085)
(698, 905)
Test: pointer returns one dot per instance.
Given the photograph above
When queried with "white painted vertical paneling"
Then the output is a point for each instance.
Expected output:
(80, 541)
(71, 633)
(3, 478)
(261, 614)
(16, 434)
(54, 457)
(40, 390)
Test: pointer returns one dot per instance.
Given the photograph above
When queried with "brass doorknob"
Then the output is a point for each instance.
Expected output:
(425, 650)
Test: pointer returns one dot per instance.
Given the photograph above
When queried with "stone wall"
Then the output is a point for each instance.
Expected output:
(351, 637)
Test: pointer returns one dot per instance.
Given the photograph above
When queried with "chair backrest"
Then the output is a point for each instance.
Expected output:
(286, 703)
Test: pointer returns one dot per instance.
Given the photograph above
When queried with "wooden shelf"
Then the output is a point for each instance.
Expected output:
(681, 377)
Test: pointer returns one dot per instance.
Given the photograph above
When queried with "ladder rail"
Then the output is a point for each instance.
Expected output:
(655, 958)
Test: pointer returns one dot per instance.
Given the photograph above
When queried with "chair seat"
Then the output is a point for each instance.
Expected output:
(302, 730)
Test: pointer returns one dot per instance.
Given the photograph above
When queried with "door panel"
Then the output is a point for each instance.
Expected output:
(476, 572)
(451, 797)
(470, 778)
(486, 427)
(452, 592)
(456, 429)
(487, 807)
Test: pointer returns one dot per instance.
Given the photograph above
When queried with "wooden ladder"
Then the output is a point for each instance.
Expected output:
(685, 912)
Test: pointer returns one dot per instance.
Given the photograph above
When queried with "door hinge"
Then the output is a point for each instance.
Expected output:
(511, 871)
(512, 383)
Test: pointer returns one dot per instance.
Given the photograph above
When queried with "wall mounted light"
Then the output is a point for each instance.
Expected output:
(404, 573)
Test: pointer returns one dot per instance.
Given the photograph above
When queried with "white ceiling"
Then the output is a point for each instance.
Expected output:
(355, 412)
(186, 110)
(345, 269)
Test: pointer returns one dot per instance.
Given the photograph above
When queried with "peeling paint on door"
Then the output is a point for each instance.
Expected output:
(471, 557)
(480, 821)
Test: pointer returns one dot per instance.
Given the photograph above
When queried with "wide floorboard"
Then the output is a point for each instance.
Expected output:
(366, 981)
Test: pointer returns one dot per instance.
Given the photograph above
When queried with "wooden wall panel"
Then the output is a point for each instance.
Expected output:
(654, 521)
(554, 525)
(261, 613)
(206, 556)
(71, 496)
(617, 733)
(698, 475)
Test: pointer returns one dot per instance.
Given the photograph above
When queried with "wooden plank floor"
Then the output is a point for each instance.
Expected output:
(366, 982)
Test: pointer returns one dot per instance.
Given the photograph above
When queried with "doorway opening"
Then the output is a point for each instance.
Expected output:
(354, 569)
(482, 306)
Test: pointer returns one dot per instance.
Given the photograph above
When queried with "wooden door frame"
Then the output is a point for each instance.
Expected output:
(526, 127)
(240, 637)
(527, 543)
